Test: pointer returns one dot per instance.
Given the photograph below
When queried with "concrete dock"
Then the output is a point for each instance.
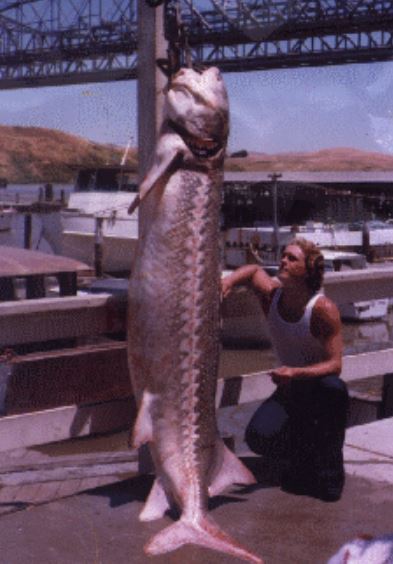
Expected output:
(78, 501)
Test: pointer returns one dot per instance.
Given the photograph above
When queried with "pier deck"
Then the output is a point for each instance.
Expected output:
(43, 520)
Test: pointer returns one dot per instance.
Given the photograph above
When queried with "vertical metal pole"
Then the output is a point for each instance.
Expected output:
(151, 82)
(98, 247)
(276, 230)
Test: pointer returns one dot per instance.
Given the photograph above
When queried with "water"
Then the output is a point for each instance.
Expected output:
(357, 338)
(235, 360)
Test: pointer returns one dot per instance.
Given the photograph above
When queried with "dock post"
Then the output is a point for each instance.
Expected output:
(28, 230)
(35, 287)
(7, 289)
(276, 229)
(48, 192)
(67, 283)
(151, 82)
(387, 396)
(98, 247)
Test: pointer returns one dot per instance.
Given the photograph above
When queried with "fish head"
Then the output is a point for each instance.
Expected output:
(197, 105)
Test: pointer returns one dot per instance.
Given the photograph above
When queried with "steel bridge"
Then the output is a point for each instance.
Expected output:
(49, 42)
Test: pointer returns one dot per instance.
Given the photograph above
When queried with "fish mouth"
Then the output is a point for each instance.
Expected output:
(201, 147)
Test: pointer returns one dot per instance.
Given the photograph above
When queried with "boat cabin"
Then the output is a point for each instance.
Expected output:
(108, 178)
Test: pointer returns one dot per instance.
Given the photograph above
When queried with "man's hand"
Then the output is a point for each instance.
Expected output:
(284, 374)
(226, 286)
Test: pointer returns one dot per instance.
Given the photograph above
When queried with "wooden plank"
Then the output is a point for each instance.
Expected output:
(63, 423)
(258, 386)
(367, 364)
(30, 321)
(44, 380)
(17, 262)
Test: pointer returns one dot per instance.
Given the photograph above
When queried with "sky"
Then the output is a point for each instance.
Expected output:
(276, 111)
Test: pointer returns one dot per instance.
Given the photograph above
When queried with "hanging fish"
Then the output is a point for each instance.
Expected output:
(174, 317)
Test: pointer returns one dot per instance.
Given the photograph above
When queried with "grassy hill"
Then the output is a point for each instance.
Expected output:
(337, 159)
(34, 154)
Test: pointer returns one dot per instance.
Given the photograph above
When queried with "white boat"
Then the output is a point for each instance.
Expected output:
(369, 310)
(97, 213)
(6, 218)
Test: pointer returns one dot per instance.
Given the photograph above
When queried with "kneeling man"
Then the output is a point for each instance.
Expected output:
(303, 422)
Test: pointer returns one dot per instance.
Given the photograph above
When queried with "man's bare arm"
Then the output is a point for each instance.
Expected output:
(249, 274)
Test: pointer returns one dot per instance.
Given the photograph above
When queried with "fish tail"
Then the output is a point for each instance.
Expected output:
(203, 532)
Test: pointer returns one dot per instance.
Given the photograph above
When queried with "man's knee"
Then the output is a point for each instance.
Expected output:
(254, 441)
(334, 389)
(272, 444)
(332, 409)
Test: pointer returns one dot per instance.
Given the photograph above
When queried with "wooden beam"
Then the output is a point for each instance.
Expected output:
(258, 386)
(31, 321)
(349, 286)
(17, 262)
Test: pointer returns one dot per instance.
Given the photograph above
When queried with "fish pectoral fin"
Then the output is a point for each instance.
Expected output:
(230, 471)
(165, 159)
(203, 532)
(156, 504)
(143, 428)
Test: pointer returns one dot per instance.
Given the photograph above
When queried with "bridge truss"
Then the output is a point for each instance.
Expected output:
(44, 42)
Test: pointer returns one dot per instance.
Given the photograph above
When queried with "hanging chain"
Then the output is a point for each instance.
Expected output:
(174, 32)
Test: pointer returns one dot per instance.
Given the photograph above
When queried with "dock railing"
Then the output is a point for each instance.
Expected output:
(63, 363)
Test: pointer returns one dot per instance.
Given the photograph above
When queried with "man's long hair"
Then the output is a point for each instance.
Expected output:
(315, 263)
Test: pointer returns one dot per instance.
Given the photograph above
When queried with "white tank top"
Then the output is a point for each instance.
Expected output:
(292, 341)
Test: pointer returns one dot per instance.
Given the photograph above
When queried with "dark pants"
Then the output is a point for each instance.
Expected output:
(303, 425)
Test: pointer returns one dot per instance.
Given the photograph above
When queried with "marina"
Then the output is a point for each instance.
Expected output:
(111, 322)
(99, 212)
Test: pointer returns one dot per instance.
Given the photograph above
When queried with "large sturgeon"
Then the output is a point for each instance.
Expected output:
(174, 317)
